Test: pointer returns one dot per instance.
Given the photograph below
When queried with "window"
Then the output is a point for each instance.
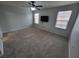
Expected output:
(63, 19)
(36, 18)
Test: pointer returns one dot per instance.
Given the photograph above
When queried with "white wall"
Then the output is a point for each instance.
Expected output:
(74, 41)
(52, 13)
(14, 18)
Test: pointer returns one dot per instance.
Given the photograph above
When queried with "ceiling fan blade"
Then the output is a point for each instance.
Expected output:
(39, 6)
(28, 3)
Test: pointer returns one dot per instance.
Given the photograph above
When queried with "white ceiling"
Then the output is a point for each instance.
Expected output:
(46, 4)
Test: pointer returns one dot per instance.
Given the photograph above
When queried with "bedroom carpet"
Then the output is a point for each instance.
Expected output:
(34, 43)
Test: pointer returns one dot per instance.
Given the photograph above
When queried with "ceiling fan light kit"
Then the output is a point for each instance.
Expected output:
(33, 8)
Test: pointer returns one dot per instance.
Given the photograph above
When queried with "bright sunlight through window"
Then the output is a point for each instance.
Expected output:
(63, 19)
(36, 18)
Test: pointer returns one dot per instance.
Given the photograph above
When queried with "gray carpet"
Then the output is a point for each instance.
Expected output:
(34, 43)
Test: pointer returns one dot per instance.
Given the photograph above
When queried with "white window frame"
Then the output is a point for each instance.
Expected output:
(36, 18)
(63, 18)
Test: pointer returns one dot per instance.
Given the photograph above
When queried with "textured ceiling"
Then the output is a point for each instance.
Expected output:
(46, 4)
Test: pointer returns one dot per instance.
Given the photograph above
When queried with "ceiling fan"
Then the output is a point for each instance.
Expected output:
(32, 4)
